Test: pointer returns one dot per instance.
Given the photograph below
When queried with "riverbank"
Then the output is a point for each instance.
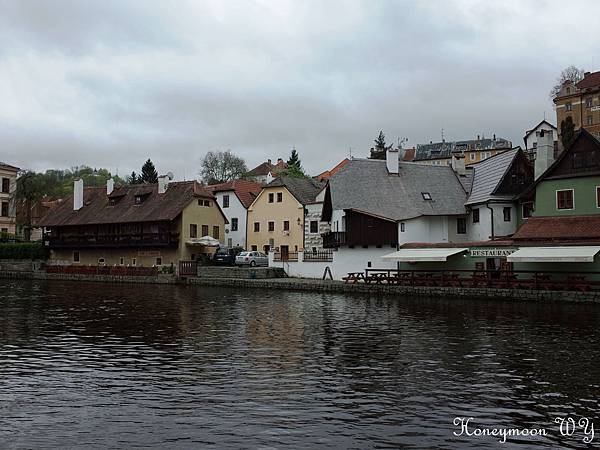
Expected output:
(329, 286)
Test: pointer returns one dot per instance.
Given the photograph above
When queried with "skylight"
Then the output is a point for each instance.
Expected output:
(426, 195)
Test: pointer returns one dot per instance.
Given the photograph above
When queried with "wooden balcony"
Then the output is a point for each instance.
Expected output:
(334, 239)
(112, 240)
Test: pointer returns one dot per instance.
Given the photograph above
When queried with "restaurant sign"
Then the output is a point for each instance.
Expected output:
(492, 252)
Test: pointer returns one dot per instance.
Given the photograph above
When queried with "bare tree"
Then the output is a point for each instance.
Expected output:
(571, 73)
(219, 167)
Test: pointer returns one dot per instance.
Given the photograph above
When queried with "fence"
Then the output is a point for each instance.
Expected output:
(285, 257)
(318, 256)
(104, 270)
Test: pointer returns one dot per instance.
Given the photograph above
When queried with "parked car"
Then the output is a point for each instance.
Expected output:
(226, 256)
(252, 259)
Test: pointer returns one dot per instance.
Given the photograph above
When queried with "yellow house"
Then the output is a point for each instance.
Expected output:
(140, 225)
(8, 178)
(276, 216)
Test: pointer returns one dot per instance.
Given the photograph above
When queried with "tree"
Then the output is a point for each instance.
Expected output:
(149, 173)
(572, 74)
(219, 167)
(567, 132)
(133, 178)
(380, 149)
(294, 160)
(29, 190)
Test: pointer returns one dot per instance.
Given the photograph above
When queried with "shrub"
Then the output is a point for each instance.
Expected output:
(23, 250)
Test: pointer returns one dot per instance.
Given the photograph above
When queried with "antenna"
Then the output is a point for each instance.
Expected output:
(350, 151)
(442, 135)
(544, 115)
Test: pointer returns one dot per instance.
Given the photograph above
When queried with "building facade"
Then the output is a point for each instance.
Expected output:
(267, 171)
(474, 150)
(277, 217)
(8, 189)
(532, 136)
(234, 198)
(581, 102)
(140, 225)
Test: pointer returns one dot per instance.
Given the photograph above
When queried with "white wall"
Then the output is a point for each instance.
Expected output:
(236, 209)
(482, 231)
(431, 229)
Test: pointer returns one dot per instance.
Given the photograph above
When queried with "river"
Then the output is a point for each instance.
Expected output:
(86, 365)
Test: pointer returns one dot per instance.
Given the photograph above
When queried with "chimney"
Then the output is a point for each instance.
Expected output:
(163, 183)
(77, 194)
(110, 186)
(458, 163)
(279, 160)
(391, 160)
(544, 152)
(269, 161)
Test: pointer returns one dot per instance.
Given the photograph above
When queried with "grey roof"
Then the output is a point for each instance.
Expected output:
(436, 150)
(487, 174)
(304, 189)
(366, 185)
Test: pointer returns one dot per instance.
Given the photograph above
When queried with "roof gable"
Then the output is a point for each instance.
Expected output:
(246, 191)
(582, 158)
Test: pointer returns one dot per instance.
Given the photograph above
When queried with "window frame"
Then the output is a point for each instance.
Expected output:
(234, 224)
(402, 227)
(286, 225)
(461, 225)
(597, 197)
(4, 205)
(226, 201)
(7, 181)
(506, 209)
(194, 227)
(78, 258)
(475, 212)
(572, 191)
(271, 197)
(216, 232)
(279, 197)
(310, 226)
(203, 229)
(271, 226)
(523, 210)
(256, 227)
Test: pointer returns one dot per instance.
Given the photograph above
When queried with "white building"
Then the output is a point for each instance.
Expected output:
(531, 138)
(234, 198)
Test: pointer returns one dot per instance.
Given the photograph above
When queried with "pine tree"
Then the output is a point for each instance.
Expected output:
(133, 178)
(567, 132)
(149, 173)
(380, 149)
(294, 160)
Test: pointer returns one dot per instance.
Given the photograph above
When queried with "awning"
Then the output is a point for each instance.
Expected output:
(423, 254)
(206, 241)
(554, 254)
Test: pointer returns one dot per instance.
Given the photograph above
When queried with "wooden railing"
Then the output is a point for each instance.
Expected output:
(285, 257)
(334, 239)
(104, 270)
(517, 279)
(188, 268)
(318, 256)
(113, 240)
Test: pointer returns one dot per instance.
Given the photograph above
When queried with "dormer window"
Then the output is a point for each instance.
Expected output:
(139, 199)
(426, 196)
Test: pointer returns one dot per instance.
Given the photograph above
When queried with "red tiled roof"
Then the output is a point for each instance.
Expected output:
(245, 190)
(266, 167)
(564, 228)
(409, 154)
(591, 80)
(329, 173)
(96, 208)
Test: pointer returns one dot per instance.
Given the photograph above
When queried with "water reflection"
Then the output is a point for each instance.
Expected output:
(96, 366)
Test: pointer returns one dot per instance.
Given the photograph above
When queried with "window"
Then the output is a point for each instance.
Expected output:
(426, 195)
(528, 209)
(207, 203)
(279, 197)
(158, 261)
(564, 199)
(134, 262)
(472, 156)
(6, 185)
(4, 209)
(568, 106)
(506, 212)
(476, 215)
(76, 257)
(226, 201)
(589, 120)
(216, 232)
(256, 227)
(402, 227)
(588, 102)
(101, 261)
(271, 226)
(139, 199)
(121, 261)
(461, 225)
(254, 248)
(286, 225)
(234, 224)
(597, 196)
(314, 226)
(203, 202)
(193, 230)
(204, 230)
(271, 197)
(271, 243)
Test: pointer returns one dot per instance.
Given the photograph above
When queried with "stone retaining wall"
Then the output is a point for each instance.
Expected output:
(160, 279)
(240, 272)
(20, 265)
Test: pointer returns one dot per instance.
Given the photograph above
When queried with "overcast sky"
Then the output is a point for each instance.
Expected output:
(111, 83)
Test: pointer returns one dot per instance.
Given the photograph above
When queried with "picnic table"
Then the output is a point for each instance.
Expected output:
(354, 277)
